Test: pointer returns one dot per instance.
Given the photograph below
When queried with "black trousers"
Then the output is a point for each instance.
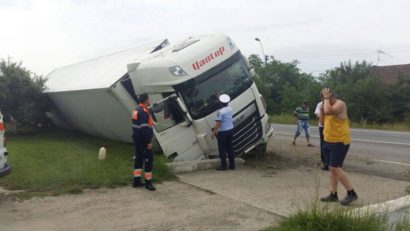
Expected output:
(143, 156)
(322, 146)
(225, 139)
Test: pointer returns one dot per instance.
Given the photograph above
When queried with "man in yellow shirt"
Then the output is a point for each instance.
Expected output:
(337, 142)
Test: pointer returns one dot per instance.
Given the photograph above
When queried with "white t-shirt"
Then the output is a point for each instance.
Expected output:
(318, 112)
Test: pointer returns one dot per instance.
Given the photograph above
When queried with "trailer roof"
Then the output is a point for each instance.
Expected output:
(101, 72)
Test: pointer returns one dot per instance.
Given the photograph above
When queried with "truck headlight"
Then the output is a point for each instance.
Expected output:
(177, 71)
(263, 102)
(267, 126)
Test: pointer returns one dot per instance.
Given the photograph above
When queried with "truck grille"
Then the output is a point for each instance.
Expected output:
(247, 130)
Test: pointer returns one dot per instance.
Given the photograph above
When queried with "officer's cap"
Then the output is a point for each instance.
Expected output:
(224, 98)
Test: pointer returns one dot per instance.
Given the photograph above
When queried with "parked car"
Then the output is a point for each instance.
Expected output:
(4, 167)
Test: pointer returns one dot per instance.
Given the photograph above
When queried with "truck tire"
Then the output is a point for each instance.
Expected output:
(6, 170)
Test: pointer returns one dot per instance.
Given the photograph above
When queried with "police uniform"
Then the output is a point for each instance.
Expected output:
(142, 136)
(225, 134)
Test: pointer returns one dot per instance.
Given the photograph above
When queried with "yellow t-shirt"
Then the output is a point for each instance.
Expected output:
(336, 130)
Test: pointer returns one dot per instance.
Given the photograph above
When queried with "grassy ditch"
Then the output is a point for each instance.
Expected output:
(59, 162)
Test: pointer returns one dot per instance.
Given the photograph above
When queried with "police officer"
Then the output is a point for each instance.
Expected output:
(142, 136)
(223, 130)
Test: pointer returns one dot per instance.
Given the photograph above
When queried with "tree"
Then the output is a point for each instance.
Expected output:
(21, 94)
(283, 85)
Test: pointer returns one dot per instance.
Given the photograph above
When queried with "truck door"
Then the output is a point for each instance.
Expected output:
(174, 132)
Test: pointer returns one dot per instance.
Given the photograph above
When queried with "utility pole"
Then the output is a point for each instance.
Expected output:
(380, 52)
(263, 52)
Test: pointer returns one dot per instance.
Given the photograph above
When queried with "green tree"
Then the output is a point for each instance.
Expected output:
(21, 94)
(283, 85)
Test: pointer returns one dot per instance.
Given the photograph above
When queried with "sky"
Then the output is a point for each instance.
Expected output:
(47, 34)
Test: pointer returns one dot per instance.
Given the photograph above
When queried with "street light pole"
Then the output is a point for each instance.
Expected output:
(263, 52)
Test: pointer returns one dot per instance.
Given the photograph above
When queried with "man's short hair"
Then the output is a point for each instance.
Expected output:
(143, 97)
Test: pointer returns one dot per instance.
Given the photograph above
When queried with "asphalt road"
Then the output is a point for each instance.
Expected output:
(376, 145)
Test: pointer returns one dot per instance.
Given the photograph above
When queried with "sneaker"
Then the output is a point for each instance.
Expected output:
(149, 186)
(137, 184)
(232, 168)
(332, 197)
(324, 167)
(220, 168)
(350, 197)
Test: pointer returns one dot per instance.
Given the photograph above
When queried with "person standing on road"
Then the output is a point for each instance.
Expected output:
(321, 116)
(302, 115)
(223, 131)
(337, 142)
(142, 136)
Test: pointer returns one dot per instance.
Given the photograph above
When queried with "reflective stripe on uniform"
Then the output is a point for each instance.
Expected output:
(141, 125)
(148, 175)
(137, 172)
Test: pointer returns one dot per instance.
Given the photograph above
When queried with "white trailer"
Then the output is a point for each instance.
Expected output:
(183, 80)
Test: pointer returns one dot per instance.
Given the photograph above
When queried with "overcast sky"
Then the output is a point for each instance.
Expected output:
(46, 34)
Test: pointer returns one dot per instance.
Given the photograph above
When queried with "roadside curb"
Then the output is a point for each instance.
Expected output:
(197, 165)
(385, 207)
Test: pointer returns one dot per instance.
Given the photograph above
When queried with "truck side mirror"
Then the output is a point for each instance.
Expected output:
(188, 121)
(245, 60)
(157, 107)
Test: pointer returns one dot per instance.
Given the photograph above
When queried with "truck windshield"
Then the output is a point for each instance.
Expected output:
(201, 97)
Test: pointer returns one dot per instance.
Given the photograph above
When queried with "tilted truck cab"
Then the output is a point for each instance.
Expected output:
(183, 80)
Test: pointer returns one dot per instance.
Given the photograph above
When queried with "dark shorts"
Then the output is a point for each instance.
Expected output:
(335, 154)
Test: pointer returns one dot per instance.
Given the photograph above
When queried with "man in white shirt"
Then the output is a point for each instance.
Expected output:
(321, 116)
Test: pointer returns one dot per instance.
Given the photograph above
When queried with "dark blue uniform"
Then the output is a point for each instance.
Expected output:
(142, 136)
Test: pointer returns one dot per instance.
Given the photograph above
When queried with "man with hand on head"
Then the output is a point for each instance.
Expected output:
(223, 130)
(337, 142)
(321, 116)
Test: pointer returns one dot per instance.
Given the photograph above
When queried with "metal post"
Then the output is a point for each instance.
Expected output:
(263, 52)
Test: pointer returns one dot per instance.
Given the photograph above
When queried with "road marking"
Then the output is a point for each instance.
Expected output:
(353, 129)
(390, 162)
(359, 140)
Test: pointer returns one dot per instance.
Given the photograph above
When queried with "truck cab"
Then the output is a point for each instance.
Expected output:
(4, 167)
(184, 81)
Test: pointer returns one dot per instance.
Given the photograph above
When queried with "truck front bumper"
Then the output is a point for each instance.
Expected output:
(6, 170)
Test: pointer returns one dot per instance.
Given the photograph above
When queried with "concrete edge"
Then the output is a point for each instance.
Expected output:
(385, 207)
(197, 165)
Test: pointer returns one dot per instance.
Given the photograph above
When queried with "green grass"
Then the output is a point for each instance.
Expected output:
(59, 162)
(289, 119)
(317, 218)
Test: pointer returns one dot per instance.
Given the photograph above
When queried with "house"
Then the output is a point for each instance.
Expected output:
(390, 74)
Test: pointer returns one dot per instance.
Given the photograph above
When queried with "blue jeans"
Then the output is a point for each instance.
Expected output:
(302, 124)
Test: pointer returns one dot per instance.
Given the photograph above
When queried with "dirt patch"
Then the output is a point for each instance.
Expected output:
(175, 206)
(282, 153)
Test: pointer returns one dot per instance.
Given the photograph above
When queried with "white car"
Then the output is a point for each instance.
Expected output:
(4, 167)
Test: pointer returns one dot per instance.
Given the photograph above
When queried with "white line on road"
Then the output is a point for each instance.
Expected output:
(391, 162)
(359, 140)
(353, 129)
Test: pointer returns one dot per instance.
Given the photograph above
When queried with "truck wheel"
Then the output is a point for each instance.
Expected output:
(258, 153)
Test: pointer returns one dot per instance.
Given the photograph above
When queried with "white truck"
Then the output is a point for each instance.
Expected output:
(183, 80)
(4, 167)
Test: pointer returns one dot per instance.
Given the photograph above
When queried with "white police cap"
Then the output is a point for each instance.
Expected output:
(224, 98)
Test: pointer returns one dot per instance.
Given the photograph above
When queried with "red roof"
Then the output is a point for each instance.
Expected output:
(390, 74)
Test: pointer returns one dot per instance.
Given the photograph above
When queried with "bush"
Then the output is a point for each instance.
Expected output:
(21, 95)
